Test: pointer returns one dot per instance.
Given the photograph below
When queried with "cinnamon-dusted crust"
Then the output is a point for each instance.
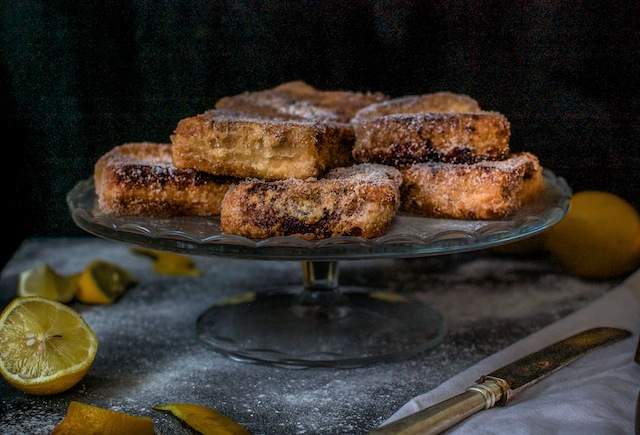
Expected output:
(297, 100)
(399, 139)
(244, 145)
(140, 179)
(437, 102)
(360, 201)
(484, 190)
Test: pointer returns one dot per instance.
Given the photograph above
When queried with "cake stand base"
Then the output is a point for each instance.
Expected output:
(320, 324)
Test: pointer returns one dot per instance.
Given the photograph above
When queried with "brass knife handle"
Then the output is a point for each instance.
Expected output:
(442, 416)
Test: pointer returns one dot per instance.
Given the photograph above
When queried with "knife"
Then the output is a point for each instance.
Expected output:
(502, 385)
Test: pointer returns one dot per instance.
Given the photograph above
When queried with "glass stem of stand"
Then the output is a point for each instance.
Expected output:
(321, 296)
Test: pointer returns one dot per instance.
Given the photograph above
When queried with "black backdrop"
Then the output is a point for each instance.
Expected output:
(78, 78)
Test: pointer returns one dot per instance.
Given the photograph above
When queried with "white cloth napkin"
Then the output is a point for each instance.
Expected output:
(594, 395)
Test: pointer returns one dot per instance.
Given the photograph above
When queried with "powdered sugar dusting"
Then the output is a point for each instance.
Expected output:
(149, 354)
(230, 116)
(367, 173)
(298, 100)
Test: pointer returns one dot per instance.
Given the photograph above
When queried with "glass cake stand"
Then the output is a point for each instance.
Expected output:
(320, 323)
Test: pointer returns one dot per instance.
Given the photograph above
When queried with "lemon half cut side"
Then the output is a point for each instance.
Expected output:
(46, 347)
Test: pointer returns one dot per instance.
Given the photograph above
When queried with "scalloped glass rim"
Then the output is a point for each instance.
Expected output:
(408, 236)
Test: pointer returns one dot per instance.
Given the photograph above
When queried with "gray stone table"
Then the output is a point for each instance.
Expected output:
(149, 352)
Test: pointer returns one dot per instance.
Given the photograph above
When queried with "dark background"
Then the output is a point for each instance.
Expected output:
(78, 78)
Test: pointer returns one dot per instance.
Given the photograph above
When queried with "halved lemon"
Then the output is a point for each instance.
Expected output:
(203, 419)
(169, 263)
(45, 346)
(84, 419)
(45, 282)
(102, 282)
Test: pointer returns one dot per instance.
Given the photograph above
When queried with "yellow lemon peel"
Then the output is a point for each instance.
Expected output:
(43, 281)
(102, 282)
(169, 263)
(84, 419)
(203, 419)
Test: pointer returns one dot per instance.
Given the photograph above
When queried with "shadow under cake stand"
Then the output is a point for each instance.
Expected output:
(320, 323)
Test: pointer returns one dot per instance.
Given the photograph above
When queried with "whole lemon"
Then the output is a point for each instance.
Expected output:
(598, 238)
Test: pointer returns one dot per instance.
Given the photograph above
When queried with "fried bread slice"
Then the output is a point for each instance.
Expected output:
(299, 100)
(140, 179)
(243, 145)
(441, 126)
(437, 102)
(399, 139)
(359, 200)
(484, 190)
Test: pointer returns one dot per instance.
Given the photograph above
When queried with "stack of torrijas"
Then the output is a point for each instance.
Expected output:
(296, 161)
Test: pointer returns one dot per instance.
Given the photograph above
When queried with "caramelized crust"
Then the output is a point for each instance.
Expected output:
(140, 179)
(297, 100)
(360, 201)
(437, 102)
(484, 190)
(237, 144)
(431, 137)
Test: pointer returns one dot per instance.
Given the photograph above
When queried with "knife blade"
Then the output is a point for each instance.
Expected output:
(502, 385)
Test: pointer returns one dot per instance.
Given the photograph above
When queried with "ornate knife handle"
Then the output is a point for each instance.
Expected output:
(442, 416)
